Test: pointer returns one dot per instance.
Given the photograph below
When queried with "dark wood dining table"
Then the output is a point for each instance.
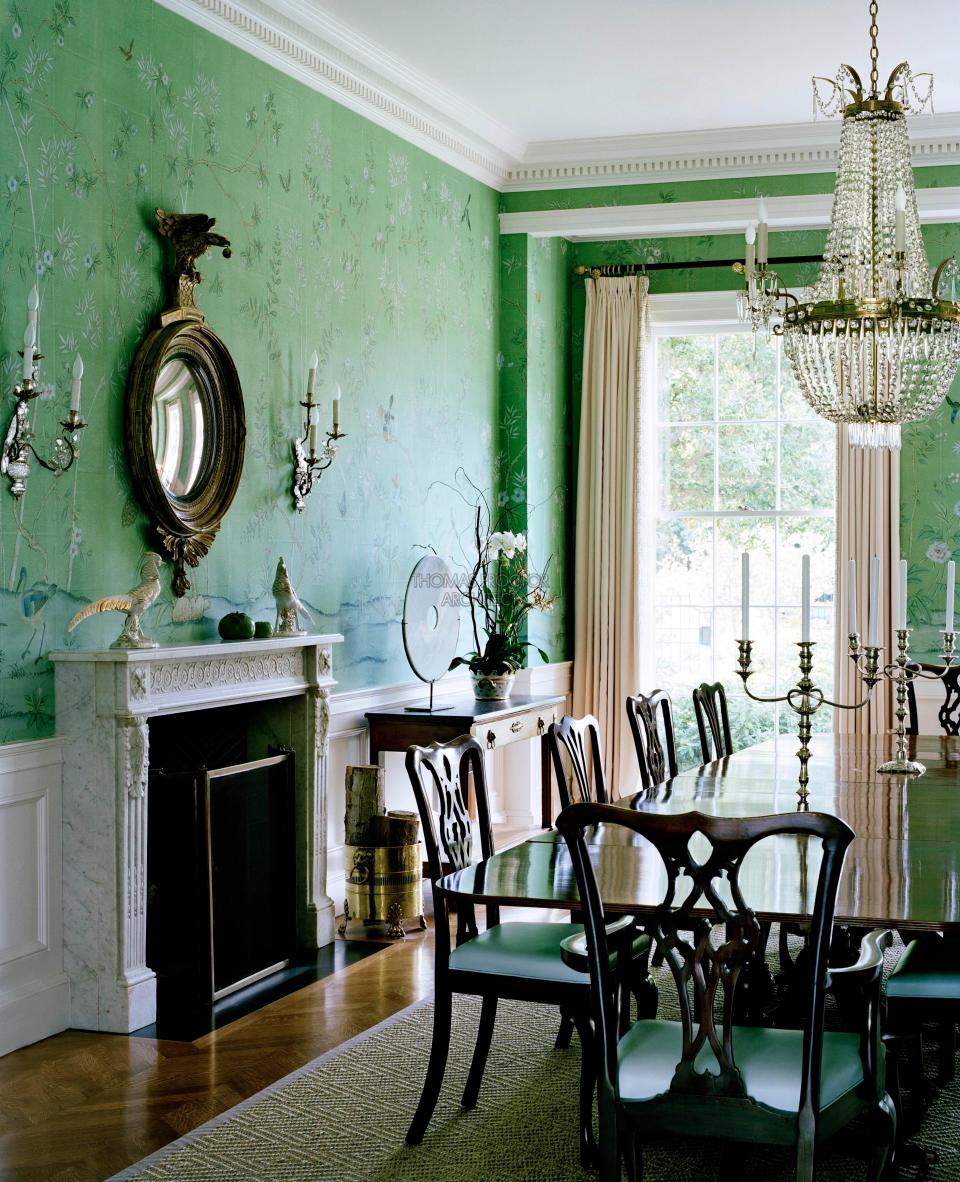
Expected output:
(902, 870)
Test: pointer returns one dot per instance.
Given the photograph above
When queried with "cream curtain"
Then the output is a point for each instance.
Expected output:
(868, 523)
(612, 523)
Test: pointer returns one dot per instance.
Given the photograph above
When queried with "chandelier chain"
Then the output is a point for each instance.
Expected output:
(874, 51)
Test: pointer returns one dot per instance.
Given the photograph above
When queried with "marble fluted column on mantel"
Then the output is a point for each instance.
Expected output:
(104, 699)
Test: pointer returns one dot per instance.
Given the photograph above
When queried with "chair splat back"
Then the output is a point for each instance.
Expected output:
(714, 956)
(656, 756)
(710, 707)
(580, 738)
(448, 768)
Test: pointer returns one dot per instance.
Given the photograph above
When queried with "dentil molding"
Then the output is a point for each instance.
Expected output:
(301, 40)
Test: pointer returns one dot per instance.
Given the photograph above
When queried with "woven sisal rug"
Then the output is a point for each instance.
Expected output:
(343, 1118)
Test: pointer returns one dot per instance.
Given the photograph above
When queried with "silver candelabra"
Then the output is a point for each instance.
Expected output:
(805, 698)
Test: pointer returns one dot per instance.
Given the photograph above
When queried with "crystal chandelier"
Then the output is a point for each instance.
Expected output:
(876, 346)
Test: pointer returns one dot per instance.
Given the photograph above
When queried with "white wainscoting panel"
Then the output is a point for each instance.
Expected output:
(513, 772)
(34, 990)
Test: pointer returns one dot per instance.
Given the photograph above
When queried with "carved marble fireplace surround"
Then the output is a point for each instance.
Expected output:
(103, 702)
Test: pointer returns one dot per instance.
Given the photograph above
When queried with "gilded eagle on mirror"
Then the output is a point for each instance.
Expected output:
(191, 235)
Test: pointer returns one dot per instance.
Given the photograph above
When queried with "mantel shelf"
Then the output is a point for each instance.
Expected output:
(193, 649)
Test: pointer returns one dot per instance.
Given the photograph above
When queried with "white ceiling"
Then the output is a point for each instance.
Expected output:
(582, 69)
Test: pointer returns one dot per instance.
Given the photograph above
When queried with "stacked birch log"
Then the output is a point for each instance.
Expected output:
(367, 822)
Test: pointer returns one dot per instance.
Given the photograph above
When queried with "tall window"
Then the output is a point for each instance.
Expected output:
(744, 465)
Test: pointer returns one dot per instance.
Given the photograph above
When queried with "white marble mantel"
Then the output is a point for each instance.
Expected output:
(104, 699)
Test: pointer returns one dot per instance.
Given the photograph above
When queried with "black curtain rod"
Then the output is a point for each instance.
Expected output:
(614, 269)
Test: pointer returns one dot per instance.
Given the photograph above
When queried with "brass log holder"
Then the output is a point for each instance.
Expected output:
(901, 671)
(18, 445)
(805, 698)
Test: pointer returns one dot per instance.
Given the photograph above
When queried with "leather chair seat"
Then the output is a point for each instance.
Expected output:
(770, 1062)
(530, 950)
(927, 969)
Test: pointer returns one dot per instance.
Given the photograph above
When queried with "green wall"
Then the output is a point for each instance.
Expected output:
(345, 239)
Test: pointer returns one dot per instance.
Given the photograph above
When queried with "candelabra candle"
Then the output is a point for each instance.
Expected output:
(901, 671)
(805, 698)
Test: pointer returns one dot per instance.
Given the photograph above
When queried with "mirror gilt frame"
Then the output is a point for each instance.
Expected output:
(187, 525)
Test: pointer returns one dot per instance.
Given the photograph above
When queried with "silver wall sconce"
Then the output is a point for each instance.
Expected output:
(309, 463)
(18, 444)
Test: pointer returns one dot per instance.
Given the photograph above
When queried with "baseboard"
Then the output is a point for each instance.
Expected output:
(34, 1012)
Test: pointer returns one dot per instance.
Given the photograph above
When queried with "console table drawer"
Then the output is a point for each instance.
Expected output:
(530, 725)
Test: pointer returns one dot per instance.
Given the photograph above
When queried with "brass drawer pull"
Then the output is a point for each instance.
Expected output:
(491, 740)
(517, 727)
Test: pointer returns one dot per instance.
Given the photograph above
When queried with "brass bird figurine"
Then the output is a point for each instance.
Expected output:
(288, 604)
(134, 603)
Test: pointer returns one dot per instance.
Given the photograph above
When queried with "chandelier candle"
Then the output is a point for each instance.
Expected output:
(750, 257)
(762, 251)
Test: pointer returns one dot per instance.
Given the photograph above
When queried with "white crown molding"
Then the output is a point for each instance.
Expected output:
(301, 40)
(292, 36)
(767, 150)
(684, 218)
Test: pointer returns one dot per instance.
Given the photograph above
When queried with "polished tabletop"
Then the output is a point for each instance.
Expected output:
(902, 869)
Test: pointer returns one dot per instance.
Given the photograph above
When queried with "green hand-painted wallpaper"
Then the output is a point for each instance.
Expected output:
(345, 239)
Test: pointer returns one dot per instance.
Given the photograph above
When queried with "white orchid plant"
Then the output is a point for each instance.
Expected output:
(501, 590)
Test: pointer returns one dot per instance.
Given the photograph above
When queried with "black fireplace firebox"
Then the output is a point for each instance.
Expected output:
(221, 877)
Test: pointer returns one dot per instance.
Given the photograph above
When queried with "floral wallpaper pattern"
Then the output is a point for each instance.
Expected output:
(345, 239)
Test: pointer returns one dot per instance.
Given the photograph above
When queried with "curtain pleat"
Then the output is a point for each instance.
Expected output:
(868, 523)
(609, 516)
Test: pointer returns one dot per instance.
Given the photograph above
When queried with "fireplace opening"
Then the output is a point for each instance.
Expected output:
(221, 859)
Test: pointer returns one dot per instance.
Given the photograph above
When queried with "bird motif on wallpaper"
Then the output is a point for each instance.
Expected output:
(134, 603)
(465, 216)
(127, 52)
(33, 600)
(288, 604)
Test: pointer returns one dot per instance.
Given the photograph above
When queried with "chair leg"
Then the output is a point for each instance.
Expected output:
(806, 1154)
(565, 1033)
(488, 1016)
(588, 1078)
(439, 1049)
(881, 1165)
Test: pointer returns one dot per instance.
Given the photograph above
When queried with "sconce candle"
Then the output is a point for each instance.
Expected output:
(336, 410)
(33, 306)
(75, 388)
(312, 373)
(29, 339)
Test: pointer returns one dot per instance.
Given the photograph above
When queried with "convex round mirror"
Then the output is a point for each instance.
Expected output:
(185, 426)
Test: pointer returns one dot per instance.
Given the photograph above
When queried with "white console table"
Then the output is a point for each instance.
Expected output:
(104, 700)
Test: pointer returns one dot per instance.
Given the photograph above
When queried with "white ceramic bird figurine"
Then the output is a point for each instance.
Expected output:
(134, 603)
(288, 604)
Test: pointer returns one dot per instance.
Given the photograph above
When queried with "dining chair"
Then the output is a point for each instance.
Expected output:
(515, 960)
(704, 1074)
(925, 987)
(710, 707)
(651, 724)
(580, 738)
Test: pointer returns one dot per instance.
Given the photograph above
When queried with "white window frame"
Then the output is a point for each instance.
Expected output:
(708, 314)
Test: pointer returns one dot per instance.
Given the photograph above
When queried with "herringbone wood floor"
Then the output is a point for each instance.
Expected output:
(80, 1106)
